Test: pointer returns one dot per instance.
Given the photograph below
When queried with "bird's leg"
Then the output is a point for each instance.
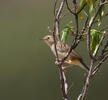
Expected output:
(58, 61)
(65, 67)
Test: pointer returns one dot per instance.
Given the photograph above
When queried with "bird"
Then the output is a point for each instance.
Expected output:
(62, 49)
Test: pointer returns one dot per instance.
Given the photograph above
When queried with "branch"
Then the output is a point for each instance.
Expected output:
(98, 47)
(89, 28)
(103, 57)
(76, 39)
(83, 94)
(64, 85)
(69, 8)
(82, 8)
(97, 67)
(57, 14)
(87, 83)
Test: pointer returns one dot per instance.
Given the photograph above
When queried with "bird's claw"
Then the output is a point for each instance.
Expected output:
(58, 62)
(63, 69)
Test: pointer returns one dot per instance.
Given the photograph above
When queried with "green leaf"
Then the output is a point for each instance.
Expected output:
(64, 34)
(89, 9)
(95, 38)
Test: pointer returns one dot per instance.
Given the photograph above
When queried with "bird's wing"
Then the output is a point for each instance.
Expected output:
(61, 47)
(74, 55)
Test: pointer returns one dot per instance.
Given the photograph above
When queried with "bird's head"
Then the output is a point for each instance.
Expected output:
(48, 39)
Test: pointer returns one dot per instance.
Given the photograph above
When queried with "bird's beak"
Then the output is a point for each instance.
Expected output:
(43, 39)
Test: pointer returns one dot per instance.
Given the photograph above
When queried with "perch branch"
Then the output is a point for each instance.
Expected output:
(57, 14)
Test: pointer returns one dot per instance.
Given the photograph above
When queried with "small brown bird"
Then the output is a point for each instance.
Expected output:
(62, 50)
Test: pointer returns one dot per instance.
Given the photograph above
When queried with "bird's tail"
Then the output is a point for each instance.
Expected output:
(83, 65)
(78, 62)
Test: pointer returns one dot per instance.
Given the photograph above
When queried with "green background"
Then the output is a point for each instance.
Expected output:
(27, 69)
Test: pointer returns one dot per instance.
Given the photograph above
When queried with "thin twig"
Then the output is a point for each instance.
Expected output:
(69, 8)
(103, 57)
(83, 94)
(57, 14)
(89, 29)
(64, 85)
(85, 25)
(97, 67)
(81, 8)
(76, 40)
(98, 47)
(85, 89)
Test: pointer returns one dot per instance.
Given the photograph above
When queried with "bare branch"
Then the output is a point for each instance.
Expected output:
(82, 8)
(83, 94)
(64, 84)
(97, 67)
(55, 7)
(57, 14)
(103, 57)
(85, 89)
(69, 8)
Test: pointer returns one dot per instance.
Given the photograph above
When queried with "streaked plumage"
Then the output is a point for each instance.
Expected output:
(62, 49)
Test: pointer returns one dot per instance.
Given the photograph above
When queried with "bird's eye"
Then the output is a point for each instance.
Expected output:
(48, 38)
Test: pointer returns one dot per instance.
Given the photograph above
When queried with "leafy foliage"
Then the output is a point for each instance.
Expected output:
(64, 33)
(95, 38)
(90, 9)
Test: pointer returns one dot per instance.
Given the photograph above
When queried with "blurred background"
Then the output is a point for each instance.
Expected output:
(27, 69)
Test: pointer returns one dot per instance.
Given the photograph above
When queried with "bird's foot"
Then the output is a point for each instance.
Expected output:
(58, 62)
(63, 69)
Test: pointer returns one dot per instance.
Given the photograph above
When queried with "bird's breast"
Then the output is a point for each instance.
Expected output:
(60, 54)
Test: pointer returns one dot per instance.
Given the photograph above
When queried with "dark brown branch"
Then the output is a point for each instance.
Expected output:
(81, 8)
(85, 25)
(69, 8)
